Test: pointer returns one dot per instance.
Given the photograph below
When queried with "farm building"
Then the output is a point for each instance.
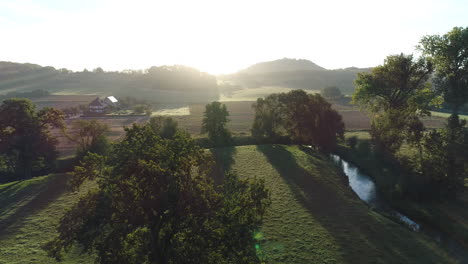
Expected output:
(111, 101)
(98, 106)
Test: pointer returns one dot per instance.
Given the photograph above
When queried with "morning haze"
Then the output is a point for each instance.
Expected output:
(173, 132)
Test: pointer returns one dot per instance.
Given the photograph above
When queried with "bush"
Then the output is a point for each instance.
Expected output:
(352, 142)
(363, 147)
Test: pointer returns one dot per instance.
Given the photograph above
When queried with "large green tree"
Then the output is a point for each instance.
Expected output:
(304, 118)
(449, 52)
(26, 145)
(269, 117)
(89, 135)
(332, 94)
(216, 117)
(395, 94)
(155, 203)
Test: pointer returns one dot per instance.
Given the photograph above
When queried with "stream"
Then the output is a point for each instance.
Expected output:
(365, 188)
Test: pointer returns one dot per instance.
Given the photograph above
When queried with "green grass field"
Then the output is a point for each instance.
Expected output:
(316, 218)
(29, 212)
(441, 114)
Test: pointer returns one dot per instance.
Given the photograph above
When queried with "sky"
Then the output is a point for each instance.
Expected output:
(217, 36)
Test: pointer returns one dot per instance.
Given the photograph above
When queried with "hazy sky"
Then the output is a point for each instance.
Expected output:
(217, 36)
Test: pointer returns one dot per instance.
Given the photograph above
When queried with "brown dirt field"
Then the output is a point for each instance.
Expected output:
(242, 115)
(62, 101)
(116, 126)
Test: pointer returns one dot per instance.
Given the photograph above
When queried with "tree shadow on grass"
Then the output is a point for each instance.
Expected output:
(224, 159)
(19, 203)
(362, 235)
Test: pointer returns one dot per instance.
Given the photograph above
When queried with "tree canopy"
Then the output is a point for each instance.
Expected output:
(398, 84)
(332, 93)
(216, 117)
(26, 145)
(155, 203)
(449, 53)
(89, 135)
(396, 93)
(305, 118)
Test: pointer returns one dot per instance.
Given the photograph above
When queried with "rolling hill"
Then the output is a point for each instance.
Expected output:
(159, 84)
(296, 74)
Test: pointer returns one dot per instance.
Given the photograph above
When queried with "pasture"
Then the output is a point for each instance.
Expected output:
(314, 216)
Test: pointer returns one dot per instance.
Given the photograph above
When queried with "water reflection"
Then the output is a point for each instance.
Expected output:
(365, 188)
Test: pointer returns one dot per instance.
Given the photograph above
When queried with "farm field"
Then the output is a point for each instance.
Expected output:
(116, 126)
(62, 101)
(251, 94)
(242, 116)
(190, 116)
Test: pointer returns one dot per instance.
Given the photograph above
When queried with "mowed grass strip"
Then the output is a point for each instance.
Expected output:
(316, 218)
(29, 213)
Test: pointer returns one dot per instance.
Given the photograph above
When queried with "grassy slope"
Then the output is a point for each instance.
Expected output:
(29, 211)
(316, 218)
(448, 216)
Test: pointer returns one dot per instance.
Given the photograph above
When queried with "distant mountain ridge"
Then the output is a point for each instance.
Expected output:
(283, 65)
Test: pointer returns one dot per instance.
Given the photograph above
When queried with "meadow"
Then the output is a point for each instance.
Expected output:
(29, 213)
(314, 216)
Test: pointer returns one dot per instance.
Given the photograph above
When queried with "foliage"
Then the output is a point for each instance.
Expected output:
(449, 53)
(352, 142)
(216, 116)
(399, 84)
(269, 117)
(332, 94)
(364, 147)
(396, 94)
(156, 204)
(445, 157)
(26, 145)
(305, 118)
(72, 111)
(166, 127)
(89, 135)
(142, 108)
(32, 94)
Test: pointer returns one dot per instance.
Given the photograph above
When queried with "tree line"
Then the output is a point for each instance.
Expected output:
(400, 92)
